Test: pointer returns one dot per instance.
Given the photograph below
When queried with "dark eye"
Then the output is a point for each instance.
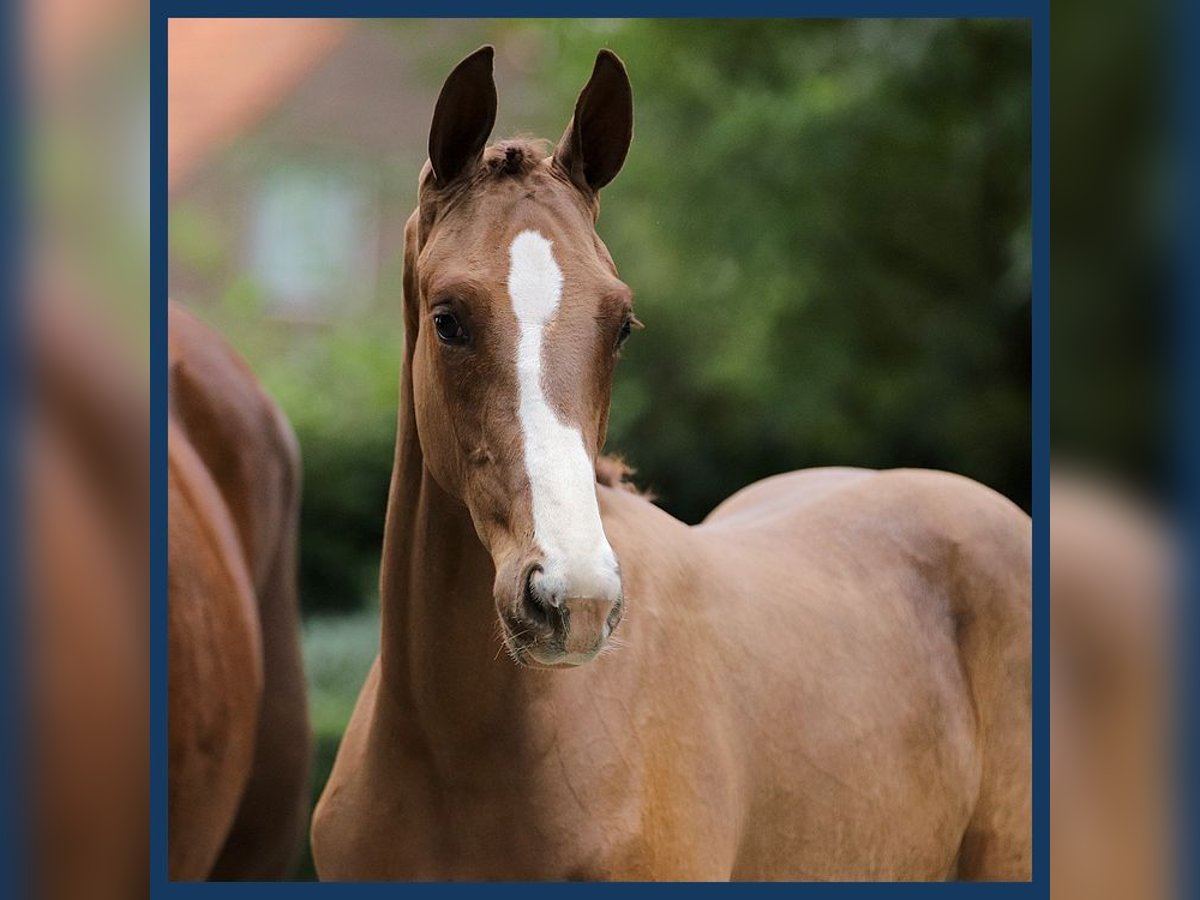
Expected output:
(623, 334)
(449, 329)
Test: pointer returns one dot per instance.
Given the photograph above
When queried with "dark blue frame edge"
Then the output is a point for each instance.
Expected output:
(1037, 11)
(13, 751)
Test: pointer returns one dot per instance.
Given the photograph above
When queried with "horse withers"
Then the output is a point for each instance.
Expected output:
(829, 678)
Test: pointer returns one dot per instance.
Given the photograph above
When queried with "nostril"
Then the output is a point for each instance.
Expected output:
(614, 615)
(538, 603)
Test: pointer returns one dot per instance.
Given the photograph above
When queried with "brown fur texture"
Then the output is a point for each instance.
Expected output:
(85, 497)
(215, 668)
(234, 619)
(1113, 590)
(829, 678)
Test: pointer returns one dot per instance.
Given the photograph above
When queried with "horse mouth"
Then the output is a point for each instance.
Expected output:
(538, 646)
(528, 661)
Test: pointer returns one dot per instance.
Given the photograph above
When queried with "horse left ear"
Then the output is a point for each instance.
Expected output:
(594, 145)
(464, 117)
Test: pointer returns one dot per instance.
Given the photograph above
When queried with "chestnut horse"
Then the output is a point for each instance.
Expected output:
(827, 679)
(239, 744)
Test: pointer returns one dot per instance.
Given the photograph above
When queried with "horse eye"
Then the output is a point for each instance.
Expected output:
(449, 329)
(623, 334)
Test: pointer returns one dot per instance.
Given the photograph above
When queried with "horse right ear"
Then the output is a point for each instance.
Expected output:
(593, 148)
(463, 117)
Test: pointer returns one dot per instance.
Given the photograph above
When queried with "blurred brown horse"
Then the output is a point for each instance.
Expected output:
(239, 745)
(827, 679)
(1113, 590)
(86, 502)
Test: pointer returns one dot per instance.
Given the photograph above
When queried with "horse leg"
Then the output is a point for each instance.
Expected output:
(994, 640)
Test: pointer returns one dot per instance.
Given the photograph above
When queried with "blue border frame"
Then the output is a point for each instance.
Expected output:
(14, 836)
(1037, 11)
(1184, 437)
(158, 450)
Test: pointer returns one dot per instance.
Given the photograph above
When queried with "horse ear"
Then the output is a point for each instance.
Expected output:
(594, 145)
(463, 117)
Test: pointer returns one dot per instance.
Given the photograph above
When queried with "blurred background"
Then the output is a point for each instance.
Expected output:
(826, 225)
(1124, 447)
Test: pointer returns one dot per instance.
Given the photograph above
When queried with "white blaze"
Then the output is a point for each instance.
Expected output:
(566, 518)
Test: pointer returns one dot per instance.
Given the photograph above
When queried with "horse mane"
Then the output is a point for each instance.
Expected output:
(614, 472)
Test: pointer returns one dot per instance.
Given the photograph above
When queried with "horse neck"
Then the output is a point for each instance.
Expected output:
(440, 656)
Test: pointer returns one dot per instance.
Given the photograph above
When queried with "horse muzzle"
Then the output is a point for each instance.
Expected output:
(557, 621)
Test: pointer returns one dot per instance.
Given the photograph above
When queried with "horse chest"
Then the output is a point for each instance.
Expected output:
(574, 811)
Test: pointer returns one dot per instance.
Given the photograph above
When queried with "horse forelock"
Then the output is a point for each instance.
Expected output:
(515, 159)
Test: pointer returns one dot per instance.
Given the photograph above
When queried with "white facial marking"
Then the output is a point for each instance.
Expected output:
(566, 518)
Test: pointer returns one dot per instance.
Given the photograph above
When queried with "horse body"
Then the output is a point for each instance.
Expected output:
(240, 738)
(216, 667)
(798, 698)
(828, 678)
(884, 644)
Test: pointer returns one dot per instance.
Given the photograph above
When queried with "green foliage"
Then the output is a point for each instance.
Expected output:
(347, 431)
(826, 227)
(338, 651)
(197, 241)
